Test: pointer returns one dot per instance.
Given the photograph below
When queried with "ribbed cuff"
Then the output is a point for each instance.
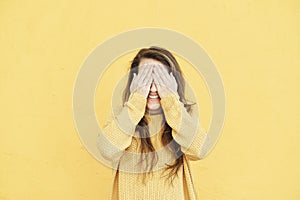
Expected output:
(170, 101)
(172, 110)
(137, 105)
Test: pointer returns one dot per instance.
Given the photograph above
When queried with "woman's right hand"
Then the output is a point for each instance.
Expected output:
(141, 82)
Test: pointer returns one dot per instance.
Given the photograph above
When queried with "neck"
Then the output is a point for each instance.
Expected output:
(154, 112)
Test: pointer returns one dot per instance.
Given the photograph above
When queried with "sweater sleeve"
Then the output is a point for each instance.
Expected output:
(185, 128)
(119, 128)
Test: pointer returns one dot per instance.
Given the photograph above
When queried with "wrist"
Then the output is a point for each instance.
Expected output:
(142, 92)
(137, 105)
(170, 100)
(166, 93)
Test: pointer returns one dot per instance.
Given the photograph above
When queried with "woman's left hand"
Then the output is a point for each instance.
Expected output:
(165, 82)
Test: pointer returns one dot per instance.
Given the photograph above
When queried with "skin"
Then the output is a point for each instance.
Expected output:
(153, 82)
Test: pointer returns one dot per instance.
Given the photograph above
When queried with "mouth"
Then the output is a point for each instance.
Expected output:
(153, 96)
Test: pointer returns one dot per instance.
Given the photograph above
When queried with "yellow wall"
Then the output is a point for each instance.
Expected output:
(255, 45)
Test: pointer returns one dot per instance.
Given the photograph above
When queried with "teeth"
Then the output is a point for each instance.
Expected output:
(153, 97)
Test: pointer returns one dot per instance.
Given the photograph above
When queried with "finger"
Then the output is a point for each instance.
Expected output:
(162, 68)
(148, 82)
(144, 79)
(135, 78)
(164, 74)
(157, 79)
(161, 76)
(146, 72)
(174, 82)
(133, 83)
(156, 82)
(140, 70)
(172, 76)
(149, 79)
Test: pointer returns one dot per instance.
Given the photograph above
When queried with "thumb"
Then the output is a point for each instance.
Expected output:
(134, 75)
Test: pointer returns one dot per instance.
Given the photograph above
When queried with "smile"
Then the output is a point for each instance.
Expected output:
(153, 96)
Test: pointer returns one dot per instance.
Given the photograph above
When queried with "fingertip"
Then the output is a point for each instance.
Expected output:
(154, 74)
(172, 75)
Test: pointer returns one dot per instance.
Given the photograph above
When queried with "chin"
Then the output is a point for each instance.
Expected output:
(153, 107)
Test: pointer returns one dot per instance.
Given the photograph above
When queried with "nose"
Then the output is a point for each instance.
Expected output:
(153, 87)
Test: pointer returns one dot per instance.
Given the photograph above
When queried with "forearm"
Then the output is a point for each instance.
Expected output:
(118, 130)
(186, 130)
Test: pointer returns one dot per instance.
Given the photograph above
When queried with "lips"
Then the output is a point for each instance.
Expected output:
(153, 96)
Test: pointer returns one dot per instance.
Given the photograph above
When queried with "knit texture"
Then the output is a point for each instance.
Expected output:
(121, 147)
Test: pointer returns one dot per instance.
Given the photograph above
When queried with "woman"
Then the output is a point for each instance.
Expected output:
(151, 139)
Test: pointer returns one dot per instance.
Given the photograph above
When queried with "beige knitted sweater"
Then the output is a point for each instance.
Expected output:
(120, 146)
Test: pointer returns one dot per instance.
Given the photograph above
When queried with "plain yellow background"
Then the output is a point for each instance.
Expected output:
(255, 45)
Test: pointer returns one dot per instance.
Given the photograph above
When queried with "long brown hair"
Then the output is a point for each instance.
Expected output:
(167, 59)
